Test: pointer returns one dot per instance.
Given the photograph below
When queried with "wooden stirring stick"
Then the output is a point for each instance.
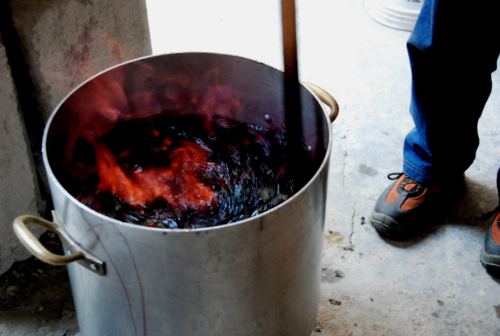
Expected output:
(293, 117)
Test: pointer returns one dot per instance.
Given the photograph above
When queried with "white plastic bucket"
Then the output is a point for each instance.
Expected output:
(399, 14)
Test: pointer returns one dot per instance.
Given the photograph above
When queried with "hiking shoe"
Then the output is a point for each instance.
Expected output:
(401, 205)
(490, 253)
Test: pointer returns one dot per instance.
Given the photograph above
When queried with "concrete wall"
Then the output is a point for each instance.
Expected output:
(66, 41)
(62, 42)
(18, 187)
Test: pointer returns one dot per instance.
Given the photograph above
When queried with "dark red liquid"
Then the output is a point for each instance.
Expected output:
(186, 172)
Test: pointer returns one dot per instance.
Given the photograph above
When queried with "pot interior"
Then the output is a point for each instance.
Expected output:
(175, 86)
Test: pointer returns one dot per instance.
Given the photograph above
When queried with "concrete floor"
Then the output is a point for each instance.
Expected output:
(431, 284)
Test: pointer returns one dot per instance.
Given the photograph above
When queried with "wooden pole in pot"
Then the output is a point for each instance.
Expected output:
(293, 116)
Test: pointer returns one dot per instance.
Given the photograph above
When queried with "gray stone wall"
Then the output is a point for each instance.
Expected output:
(18, 187)
(62, 42)
(67, 41)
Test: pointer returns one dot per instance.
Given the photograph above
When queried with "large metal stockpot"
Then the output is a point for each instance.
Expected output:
(259, 276)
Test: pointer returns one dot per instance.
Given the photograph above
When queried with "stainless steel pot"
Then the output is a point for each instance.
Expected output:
(259, 276)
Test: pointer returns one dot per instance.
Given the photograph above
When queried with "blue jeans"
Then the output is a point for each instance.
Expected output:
(453, 50)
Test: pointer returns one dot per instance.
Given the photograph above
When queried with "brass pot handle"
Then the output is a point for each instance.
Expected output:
(76, 253)
(326, 98)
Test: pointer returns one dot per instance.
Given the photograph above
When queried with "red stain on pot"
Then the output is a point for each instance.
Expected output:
(177, 184)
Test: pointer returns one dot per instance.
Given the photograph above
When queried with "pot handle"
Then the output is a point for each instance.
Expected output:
(75, 252)
(326, 98)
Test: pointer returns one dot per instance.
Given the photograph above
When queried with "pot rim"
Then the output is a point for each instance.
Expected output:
(81, 206)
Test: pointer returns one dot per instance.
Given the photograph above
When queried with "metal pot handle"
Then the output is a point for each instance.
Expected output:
(76, 253)
(326, 98)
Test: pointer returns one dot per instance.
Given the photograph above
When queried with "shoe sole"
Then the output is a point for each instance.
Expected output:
(490, 262)
(385, 225)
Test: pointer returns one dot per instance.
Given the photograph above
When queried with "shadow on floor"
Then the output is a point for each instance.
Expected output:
(32, 293)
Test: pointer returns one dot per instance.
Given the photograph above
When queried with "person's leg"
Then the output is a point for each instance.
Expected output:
(453, 50)
(490, 253)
